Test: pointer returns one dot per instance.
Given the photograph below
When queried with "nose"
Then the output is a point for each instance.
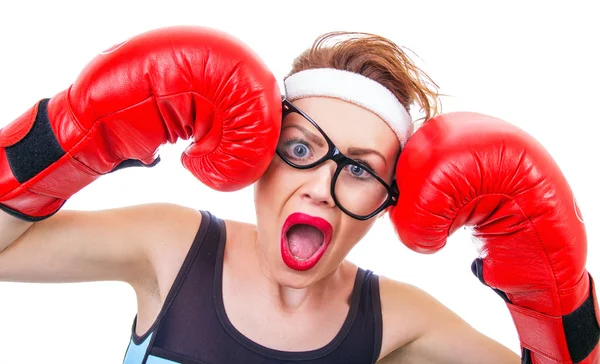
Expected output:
(318, 187)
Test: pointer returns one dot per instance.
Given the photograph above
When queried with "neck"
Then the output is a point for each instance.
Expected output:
(301, 294)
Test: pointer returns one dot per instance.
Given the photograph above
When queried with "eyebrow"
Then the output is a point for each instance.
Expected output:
(363, 151)
(352, 151)
(319, 141)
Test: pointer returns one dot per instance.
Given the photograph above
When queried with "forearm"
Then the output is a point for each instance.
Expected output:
(12, 228)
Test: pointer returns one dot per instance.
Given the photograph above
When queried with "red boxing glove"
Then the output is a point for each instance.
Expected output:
(475, 170)
(157, 87)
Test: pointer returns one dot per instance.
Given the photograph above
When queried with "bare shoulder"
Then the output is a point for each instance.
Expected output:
(417, 328)
(408, 312)
(176, 227)
(239, 234)
(239, 228)
(178, 234)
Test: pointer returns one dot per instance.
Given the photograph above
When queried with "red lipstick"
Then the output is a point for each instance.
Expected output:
(299, 218)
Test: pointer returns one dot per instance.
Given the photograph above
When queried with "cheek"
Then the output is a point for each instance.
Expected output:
(267, 186)
(352, 231)
(271, 192)
(273, 189)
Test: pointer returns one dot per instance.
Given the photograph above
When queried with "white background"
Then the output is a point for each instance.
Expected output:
(532, 63)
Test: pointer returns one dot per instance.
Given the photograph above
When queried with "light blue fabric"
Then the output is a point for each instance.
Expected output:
(135, 354)
(156, 360)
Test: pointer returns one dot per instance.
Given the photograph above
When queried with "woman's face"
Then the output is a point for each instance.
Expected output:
(288, 199)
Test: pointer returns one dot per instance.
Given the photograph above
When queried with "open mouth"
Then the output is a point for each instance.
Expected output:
(304, 240)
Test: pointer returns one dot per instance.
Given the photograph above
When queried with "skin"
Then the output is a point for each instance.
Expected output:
(303, 300)
(145, 246)
(283, 190)
(417, 328)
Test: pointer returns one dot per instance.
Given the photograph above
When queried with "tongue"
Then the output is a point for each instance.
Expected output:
(304, 240)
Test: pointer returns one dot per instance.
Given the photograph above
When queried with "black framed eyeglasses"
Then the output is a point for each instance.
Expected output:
(356, 189)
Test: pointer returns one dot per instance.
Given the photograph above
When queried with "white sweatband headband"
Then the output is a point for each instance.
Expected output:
(356, 89)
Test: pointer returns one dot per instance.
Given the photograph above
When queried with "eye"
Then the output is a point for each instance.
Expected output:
(359, 170)
(356, 170)
(297, 149)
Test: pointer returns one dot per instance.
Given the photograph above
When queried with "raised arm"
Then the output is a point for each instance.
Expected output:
(469, 169)
(417, 328)
(155, 88)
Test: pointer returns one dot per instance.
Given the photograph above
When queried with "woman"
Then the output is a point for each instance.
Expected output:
(219, 291)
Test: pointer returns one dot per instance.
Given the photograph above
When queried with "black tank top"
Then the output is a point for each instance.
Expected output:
(193, 328)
